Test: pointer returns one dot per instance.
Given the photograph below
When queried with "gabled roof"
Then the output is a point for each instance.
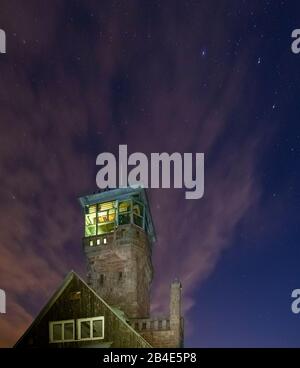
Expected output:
(70, 276)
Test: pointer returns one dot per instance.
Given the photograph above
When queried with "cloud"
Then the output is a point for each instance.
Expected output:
(87, 79)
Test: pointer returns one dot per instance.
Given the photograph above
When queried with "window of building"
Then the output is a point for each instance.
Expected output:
(138, 213)
(90, 220)
(120, 276)
(124, 212)
(90, 328)
(101, 279)
(106, 216)
(62, 331)
(100, 218)
(103, 218)
(75, 295)
(98, 241)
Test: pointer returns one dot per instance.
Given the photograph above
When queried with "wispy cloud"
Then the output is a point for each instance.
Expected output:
(124, 80)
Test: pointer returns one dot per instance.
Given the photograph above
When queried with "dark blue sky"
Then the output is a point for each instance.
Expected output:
(81, 77)
(246, 302)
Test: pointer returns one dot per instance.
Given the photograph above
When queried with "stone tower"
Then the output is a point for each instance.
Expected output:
(119, 235)
(176, 322)
(118, 240)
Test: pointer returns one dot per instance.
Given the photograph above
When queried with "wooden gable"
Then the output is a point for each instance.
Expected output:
(74, 301)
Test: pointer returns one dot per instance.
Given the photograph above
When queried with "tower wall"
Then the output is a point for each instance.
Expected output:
(164, 332)
(120, 269)
(176, 322)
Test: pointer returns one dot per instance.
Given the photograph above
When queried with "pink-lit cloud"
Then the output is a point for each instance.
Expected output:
(52, 129)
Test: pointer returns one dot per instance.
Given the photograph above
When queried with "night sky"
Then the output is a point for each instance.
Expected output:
(81, 77)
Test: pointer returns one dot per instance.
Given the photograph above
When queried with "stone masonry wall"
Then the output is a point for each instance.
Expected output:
(120, 269)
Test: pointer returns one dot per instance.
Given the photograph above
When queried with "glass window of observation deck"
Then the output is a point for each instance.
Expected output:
(106, 216)
(90, 220)
(124, 212)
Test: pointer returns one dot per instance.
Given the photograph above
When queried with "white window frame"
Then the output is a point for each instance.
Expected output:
(62, 323)
(91, 320)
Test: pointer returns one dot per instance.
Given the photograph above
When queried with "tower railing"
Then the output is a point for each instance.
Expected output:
(150, 324)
